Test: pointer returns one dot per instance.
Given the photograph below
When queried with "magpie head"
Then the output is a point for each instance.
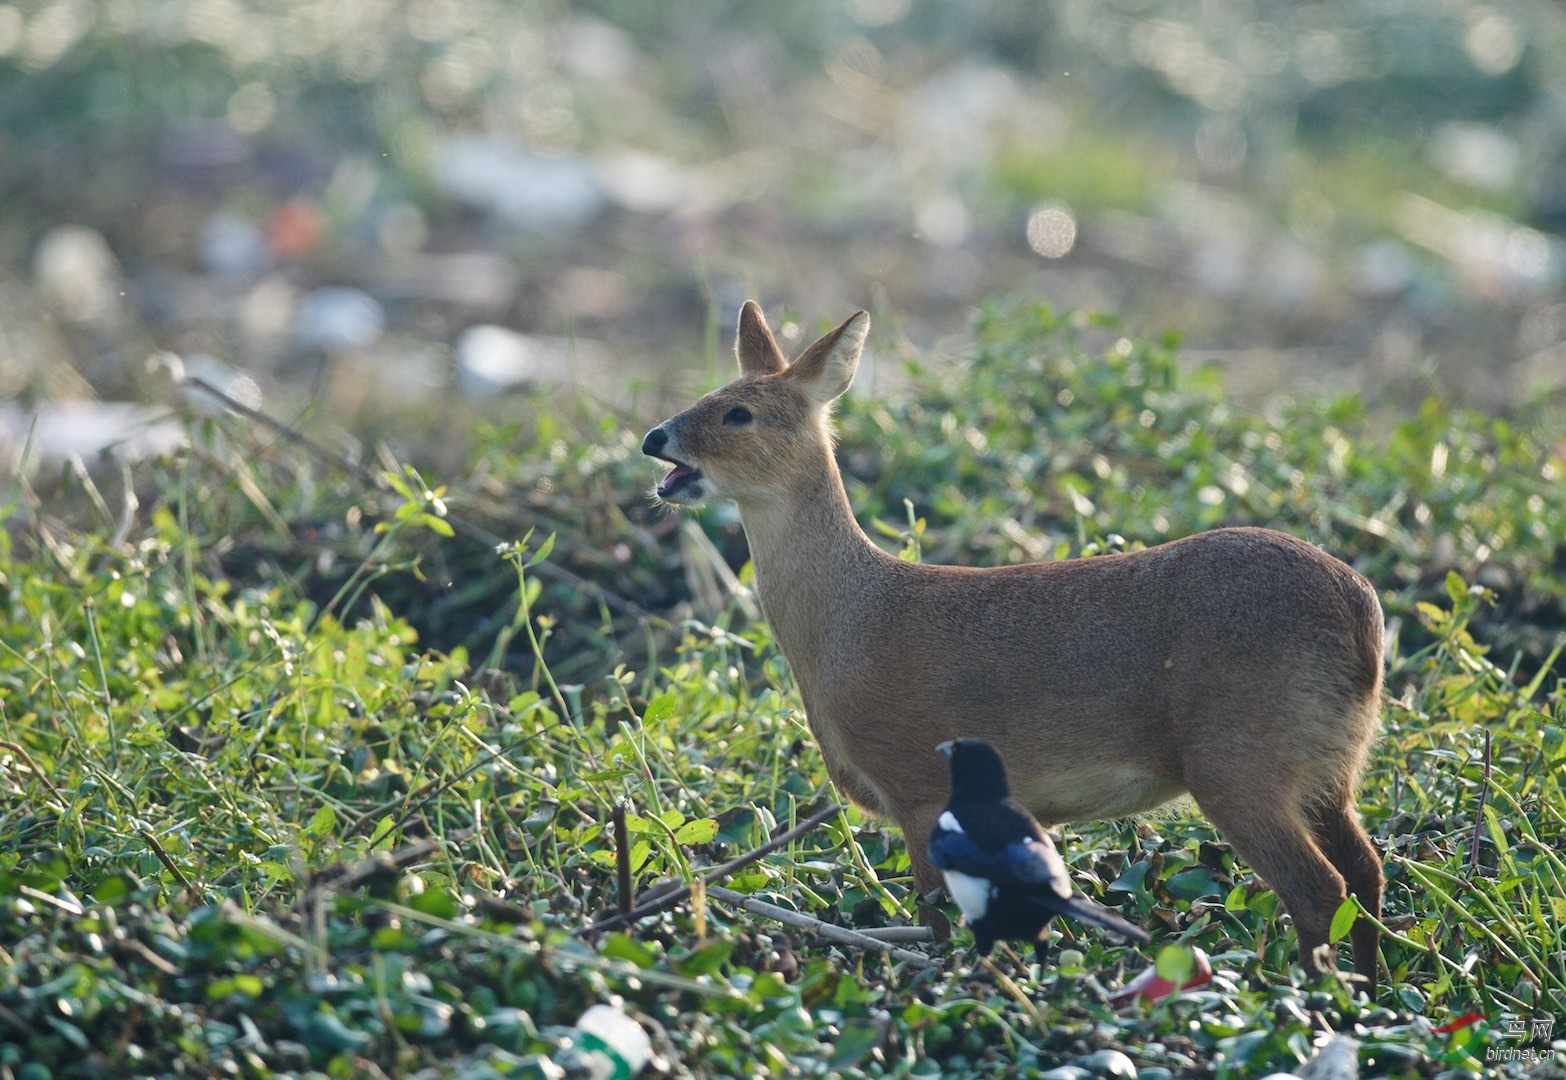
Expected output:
(977, 772)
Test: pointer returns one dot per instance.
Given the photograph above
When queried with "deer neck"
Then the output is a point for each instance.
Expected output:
(812, 560)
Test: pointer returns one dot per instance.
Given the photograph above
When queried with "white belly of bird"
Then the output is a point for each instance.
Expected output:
(972, 894)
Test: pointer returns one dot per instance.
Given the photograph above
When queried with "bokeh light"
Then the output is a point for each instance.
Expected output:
(1052, 230)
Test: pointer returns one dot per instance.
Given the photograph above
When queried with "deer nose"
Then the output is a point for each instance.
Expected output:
(655, 441)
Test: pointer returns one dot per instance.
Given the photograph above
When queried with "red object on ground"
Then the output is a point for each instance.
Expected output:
(1151, 986)
(1460, 1022)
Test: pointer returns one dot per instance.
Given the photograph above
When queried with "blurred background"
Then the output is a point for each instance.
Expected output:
(391, 212)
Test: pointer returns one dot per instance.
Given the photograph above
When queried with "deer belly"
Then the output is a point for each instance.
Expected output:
(1093, 794)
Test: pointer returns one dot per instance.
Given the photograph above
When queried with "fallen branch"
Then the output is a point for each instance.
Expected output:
(830, 931)
(903, 934)
(667, 900)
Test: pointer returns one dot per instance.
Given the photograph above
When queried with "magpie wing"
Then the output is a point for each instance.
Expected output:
(953, 849)
(1026, 862)
(1035, 861)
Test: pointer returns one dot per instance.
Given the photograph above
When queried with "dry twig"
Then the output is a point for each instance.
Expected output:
(831, 931)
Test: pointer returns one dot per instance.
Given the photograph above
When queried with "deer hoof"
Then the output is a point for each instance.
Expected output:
(935, 919)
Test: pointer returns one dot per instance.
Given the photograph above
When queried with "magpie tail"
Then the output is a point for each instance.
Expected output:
(1086, 911)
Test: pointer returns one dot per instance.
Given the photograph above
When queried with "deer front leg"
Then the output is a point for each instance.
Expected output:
(929, 885)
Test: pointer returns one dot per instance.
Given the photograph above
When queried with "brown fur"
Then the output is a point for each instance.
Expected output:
(1241, 665)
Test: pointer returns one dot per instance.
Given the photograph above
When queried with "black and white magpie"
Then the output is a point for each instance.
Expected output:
(1001, 868)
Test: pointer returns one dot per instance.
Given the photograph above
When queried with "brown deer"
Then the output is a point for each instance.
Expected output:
(1241, 666)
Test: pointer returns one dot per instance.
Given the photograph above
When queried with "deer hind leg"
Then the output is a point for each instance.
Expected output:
(1275, 838)
(1345, 843)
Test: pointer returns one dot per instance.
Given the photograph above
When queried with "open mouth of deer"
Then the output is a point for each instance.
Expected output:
(678, 477)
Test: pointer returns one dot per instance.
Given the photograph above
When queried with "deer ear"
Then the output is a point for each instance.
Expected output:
(754, 345)
(825, 370)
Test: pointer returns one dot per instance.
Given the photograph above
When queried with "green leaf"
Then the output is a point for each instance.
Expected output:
(436, 902)
(398, 484)
(706, 960)
(1497, 831)
(768, 985)
(542, 553)
(1343, 919)
(1538, 680)
(1175, 963)
(627, 948)
(437, 525)
(242, 983)
(1456, 587)
(381, 838)
(325, 1031)
(696, 831)
(1132, 879)
(1434, 617)
(740, 825)
(324, 823)
(1191, 883)
(70, 1033)
(112, 890)
(392, 939)
(1244, 1046)
(750, 881)
(858, 1041)
(659, 709)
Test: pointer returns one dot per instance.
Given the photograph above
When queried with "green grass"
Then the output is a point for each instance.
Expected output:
(251, 823)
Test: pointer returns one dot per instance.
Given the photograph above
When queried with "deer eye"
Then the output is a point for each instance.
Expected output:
(737, 416)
